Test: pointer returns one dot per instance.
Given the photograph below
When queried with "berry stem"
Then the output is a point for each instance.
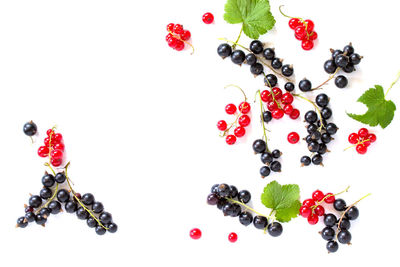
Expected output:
(237, 39)
(393, 83)
(325, 82)
(301, 19)
(249, 208)
(329, 195)
(233, 85)
(48, 201)
(231, 125)
(263, 123)
(315, 106)
(362, 142)
(272, 92)
(178, 37)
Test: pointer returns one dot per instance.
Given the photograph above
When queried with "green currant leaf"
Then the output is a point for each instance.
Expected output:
(255, 15)
(380, 111)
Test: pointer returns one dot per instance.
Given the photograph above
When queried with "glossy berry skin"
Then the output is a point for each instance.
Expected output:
(293, 23)
(195, 233)
(329, 198)
(45, 211)
(353, 138)
(82, 214)
(62, 195)
(312, 219)
(179, 45)
(269, 53)
(30, 216)
(40, 219)
(305, 161)
(317, 159)
(300, 32)
(326, 113)
(236, 210)
(91, 222)
(276, 153)
(331, 128)
(208, 18)
(100, 230)
(289, 86)
(309, 25)
(172, 42)
(265, 171)
(363, 132)
(287, 70)
(250, 59)
(245, 218)
(330, 220)
(256, 68)
(256, 47)
(307, 44)
(305, 85)
(267, 116)
(348, 49)
(277, 93)
(270, 80)
(349, 68)
(322, 100)
(259, 146)
(371, 137)
(97, 207)
(222, 125)
(345, 224)
(232, 237)
(344, 237)
(71, 206)
(341, 81)
(239, 131)
(311, 116)
(233, 191)
(22, 222)
(275, 229)
(276, 166)
(287, 98)
(318, 195)
(224, 50)
(56, 162)
(230, 109)
(328, 233)
(221, 203)
(43, 151)
(230, 139)
(244, 196)
(223, 190)
(185, 35)
(170, 27)
(332, 246)
(295, 114)
(87, 199)
(305, 211)
(35, 201)
(48, 180)
(178, 29)
(45, 193)
(352, 213)
(293, 137)
(272, 105)
(355, 59)
(277, 114)
(313, 146)
(330, 66)
(313, 36)
(288, 109)
(238, 57)
(212, 199)
(361, 149)
(341, 61)
(266, 158)
(244, 107)
(309, 202)
(30, 129)
(54, 206)
(214, 189)
(60, 177)
(339, 204)
(112, 227)
(319, 210)
(276, 63)
(260, 222)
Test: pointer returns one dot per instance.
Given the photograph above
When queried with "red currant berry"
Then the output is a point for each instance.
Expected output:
(272, 105)
(230, 109)
(266, 96)
(293, 137)
(208, 18)
(313, 36)
(312, 219)
(172, 42)
(300, 38)
(329, 198)
(28, 209)
(221, 125)
(363, 132)
(305, 211)
(170, 27)
(277, 113)
(185, 35)
(288, 109)
(309, 25)
(230, 139)
(47, 142)
(244, 107)
(239, 131)
(318, 195)
(59, 146)
(43, 151)
(295, 114)
(371, 137)
(319, 210)
(300, 31)
(169, 35)
(49, 132)
(179, 45)
(293, 23)
(277, 92)
(307, 44)
(232, 237)
(195, 233)
(353, 138)
(56, 162)
(309, 202)
(361, 149)
(244, 120)
(56, 154)
(287, 98)
(78, 196)
(366, 143)
(57, 138)
(178, 28)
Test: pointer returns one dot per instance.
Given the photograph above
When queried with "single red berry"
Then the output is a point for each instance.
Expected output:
(312, 219)
(49, 132)
(244, 107)
(172, 42)
(288, 109)
(185, 35)
(170, 27)
(266, 96)
(371, 137)
(293, 23)
(78, 196)
(272, 105)
(169, 35)
(293, 137)
(56, 154)
(28, 209)
(301, 37)
(230, 109)
(329, 198)
(179, 45)
(244, 120)
(318, 195)
(305, 211)
(287, 98)
(366, 143)
(232, 237)
(56, 162)
(295, 114)
(277, 92)
(307, 44)
(178, 29)
(47, 142)
(309, 25)
(43, 151)
(57, 138)
(239, 131)
(230, 139)
(363, 132)
(309, 202)
(221, 125)
(300, 31)
(353, 138)
(59, 146)
(319, 210)
(208, 18)
(195, 233)
(277, 113)
(313, 36)
(361, 149)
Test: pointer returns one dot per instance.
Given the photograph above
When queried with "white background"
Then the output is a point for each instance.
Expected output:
(139, 125)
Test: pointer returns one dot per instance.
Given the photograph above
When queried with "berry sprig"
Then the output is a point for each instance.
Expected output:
(241, 121)
(361, 140)
(53, 148)
(231, 201)
(303, 30)
(177, 37)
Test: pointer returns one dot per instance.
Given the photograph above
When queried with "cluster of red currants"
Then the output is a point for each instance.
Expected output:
(304, 32)
(241, 118)
(177, 36)
(312, 209)
(53, 148)
(362, 140)
(279, 104)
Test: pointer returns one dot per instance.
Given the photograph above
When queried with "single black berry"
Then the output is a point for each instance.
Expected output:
(30, 129)
(326, 138)
(22, 222)
(339, 204)
(100, 230)
(54, 206)
(326, 113)
(97, 207)
(260, 222)
(250, 59)
(328, 233)
(332, 246)
(45, 193)
(112, 227)
(276, 153)
(345, 224)
(270, 80)
(266, 158)
(87, 199)
(256, 68)
(348, 49)
(317, 159)
(315, 136)
(244, 196)
(63, 195)
(322, 100)
(40, 219)
(341, 61)
(330, 219)
(289, 86)
(48, 180)
(91, 222)
(276, 63)
(224, 190)
(355, 59)
(336, 53)
(305, 85)
(105, 217)
(35, 201)
(305, 160)
(214, 188)
(275, 229)
(287, 70)
(352, 213)
(259, 146)
(265, 171)
(344, 237)
(312, 128)
(71, 206)
(269, 53)
(311, 116)
(238, 57)
(82, 214)
(256, 47)
(349, 68)
(245, 218)
(267, 116)
(276, 166)
(330, 66)
(60, 177)
(341, 81)
(224, 50)
(322, 149)
(331, 128)
(233, 192)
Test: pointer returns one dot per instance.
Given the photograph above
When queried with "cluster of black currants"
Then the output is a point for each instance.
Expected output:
(268, 158)
(320, 132)
(227, 199)
(337, 229)
(256, 53)
(50, 201)
(345, 60)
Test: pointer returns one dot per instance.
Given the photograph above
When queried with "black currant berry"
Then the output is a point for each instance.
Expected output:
(275, 229)
(355, 59)
(289, 86)
(221, 203)
(97, 207)
(326, 113)
(30, 129)
(256, 69)
(30, 216)
(245, 218)
(266, 158)
(35, 201)
(267, 116)
(315, 136)
(326, 138)
(336, 53)
(352, 213)
(311, 116)
(308, 139)
(305, 85)
(212, 199)
(330, 219)
(244, 196)
(339, 204)
(276, 166)
(71, 206)
(236, 210)
(287, 70)
(348, 49)
(259, 146)
(214, 188)
(45, 193)
(344, 237)
(312, 128)
(224, 50)
(100, 230)
(91, 222)
(313, 146)
(270, 80)
(87, 199)
(332, 246)
(238, 57)
(256, 47)
(63, 195)
(250, 59)
(82, 214)
(45, 211)
(265, 171)
(112, 227)
(331, 128)
(328, 233)
(224, 190)
(233, 191)
(48, 180)
(105, 217)
(305, 161)
(276, 153)
(22, 222)
(330, 66)
(322, 100)
(260, 222)
(269, 53)
(341, 61)
(317, 159)
(349, 68)
(54, 206)
(276, 63)
(41, 219)
(322, 149)
(60, 177)
(345, 224)
(341, 81)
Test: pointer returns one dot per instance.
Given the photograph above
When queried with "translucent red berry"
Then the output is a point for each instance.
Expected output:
(179, 45)
(56, 154)
(288, 109)
(293, 23)
(57, 138)
(59, 146)
(363, 132)
(208, 18)
(353, 138)
(329, 198)
(56, 162)
(309, 202)
(277, 113)
(170, 27)
(230, 109)
(266, 96)
(222, 125)
(244, 107)
(232, 237)
(185, 35)
(277, 92)
(287, 98)
(239, 131)
(305, 211)
(244, 120)
(312, 219)
(361, 149)
(295, 114)
(366, 143)
(318, 195)
(309, 25)
(293, 137)
(371, 137)
(300, 32)
(230, 139)
(43, 151)
(319, 210)
(307, 44)
(49, 132)
(178, 29)
(172, 42)
(313, 36)
(195, 233)
(272, 105)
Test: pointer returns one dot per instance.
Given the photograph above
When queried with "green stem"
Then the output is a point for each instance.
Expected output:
(233, 85)
(263, 123)
(48, 201)
(316, 107)
(330, 78)
(249, 208)
(329, 195)
(237, 40)
(393, 83)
